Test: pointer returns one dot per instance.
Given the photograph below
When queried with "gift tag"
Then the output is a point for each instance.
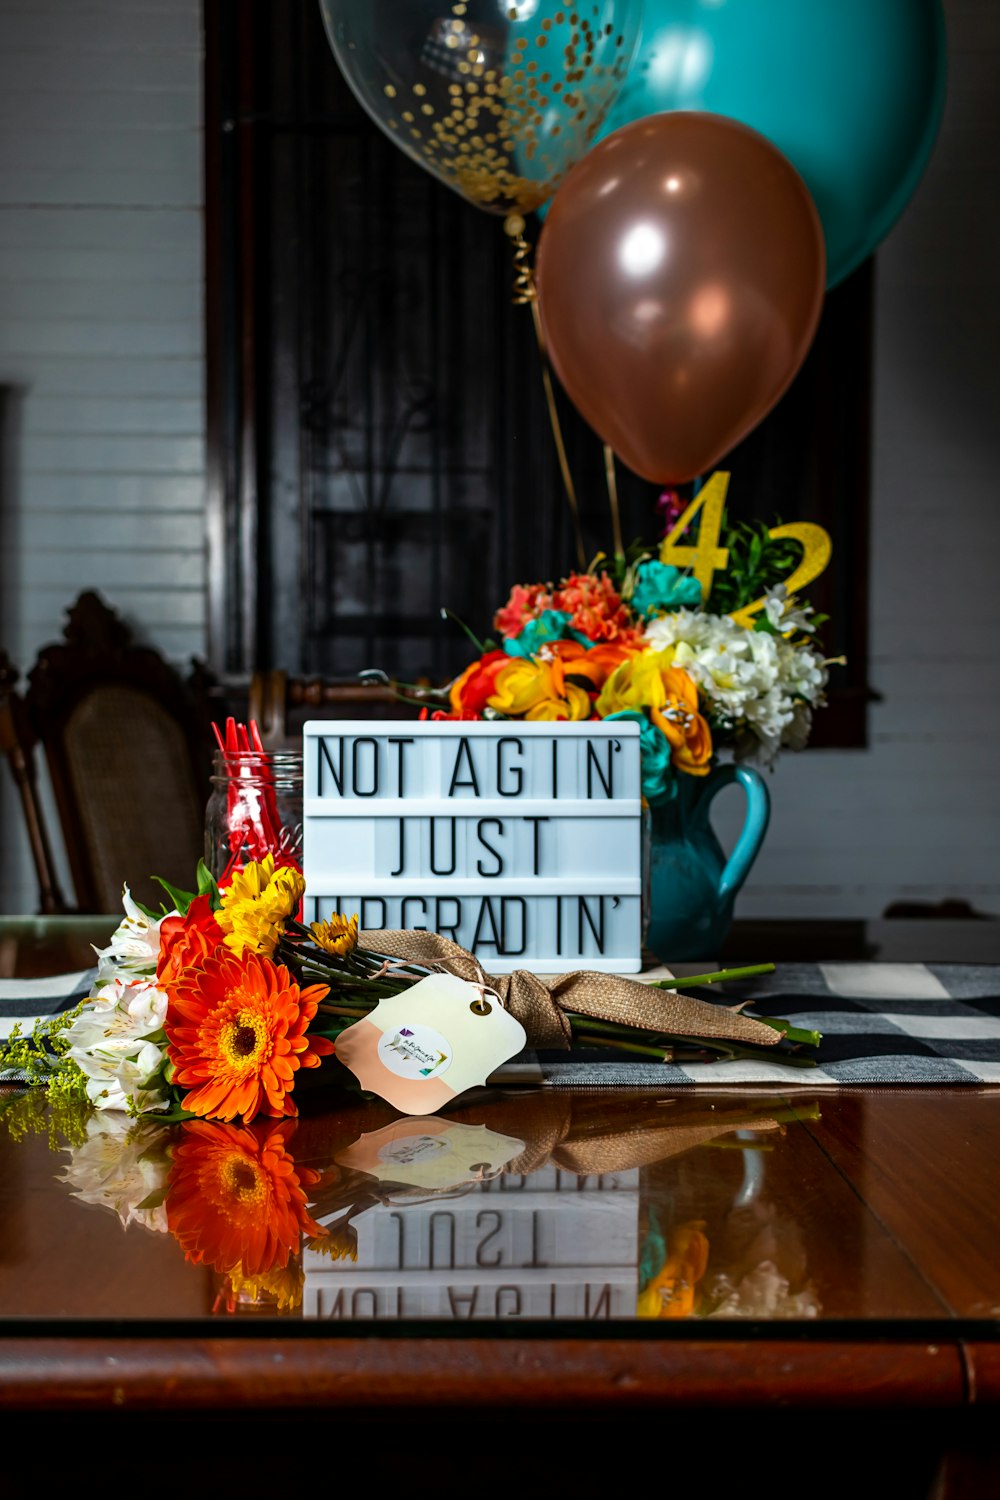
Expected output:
(422, 1048)
(433, 1154)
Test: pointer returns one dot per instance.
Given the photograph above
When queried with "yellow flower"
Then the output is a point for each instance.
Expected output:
(530, 688)
(256, 904)
(670, 697)
(339, 935)
(281, 1287)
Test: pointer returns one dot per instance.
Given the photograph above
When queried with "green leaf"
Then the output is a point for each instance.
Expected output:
(181, 899)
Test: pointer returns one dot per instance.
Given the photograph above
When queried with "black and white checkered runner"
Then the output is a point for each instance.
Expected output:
(882, 1023)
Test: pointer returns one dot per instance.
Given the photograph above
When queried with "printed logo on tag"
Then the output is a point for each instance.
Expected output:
(414, 1052)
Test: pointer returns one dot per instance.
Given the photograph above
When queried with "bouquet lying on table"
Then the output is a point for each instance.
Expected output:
(219, 1007)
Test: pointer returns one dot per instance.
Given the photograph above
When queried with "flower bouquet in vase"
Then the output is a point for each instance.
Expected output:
(711, 648)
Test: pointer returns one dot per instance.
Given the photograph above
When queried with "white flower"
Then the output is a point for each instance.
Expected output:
(762, 1293)
(783, 613)
(117, 1041)
(753, 683)
(121, 1166)
(134, 947)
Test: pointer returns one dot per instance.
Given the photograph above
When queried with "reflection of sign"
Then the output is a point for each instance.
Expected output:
(520, 841)
(549, 1245)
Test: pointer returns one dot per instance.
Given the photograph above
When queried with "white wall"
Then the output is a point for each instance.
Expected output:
(100, 337)
(101, 346)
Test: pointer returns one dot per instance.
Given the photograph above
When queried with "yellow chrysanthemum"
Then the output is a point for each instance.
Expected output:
(338, 935)
(341, 1242)
(282, 1287)
(256, 904)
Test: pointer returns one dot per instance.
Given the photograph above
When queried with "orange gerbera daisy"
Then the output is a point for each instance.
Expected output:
(235, 1201)
(236, 1035)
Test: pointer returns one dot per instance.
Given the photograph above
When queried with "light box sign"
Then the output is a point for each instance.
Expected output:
(522, 842)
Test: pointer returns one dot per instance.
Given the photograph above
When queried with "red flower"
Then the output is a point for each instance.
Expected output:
(185, 941)
(526, 602)
(595, 608)
(471, 692)
(237, 1034)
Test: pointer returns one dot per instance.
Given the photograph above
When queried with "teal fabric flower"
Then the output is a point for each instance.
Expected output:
(660, 586)
(658, 777)
(551, 625)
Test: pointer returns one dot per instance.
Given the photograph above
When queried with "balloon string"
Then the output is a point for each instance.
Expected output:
(526, 294)
(616, 519)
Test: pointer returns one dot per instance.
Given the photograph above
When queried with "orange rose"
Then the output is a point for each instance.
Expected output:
(470, 692)
(187, 940)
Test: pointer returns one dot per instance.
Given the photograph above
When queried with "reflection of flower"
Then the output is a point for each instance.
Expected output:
(234, 1199)
(122, 1165)
(672, 1291)
(237, 1036)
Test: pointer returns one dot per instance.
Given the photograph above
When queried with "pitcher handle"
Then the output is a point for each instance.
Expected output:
(758, 815)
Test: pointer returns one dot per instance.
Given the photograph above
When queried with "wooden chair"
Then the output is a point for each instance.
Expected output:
(127, 749)
(281, 704)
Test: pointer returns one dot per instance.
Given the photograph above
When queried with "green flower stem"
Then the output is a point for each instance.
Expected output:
(688, 981)
(662, 1054)
(791, 1033)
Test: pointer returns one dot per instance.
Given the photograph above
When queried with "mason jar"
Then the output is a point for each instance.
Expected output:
(255, 809)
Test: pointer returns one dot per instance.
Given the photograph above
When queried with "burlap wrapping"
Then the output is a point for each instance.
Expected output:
(541, 1005)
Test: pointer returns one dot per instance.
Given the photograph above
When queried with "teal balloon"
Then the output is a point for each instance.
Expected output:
(851, 91)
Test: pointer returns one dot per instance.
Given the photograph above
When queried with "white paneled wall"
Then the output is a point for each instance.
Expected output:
(102, 456)
(101, 343)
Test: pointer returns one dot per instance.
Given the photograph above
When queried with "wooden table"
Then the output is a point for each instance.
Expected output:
(879, 1208)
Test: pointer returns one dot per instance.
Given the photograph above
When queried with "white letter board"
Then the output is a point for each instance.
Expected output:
(520, 841)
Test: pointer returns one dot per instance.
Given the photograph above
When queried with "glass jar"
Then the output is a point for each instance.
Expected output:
(255, 809)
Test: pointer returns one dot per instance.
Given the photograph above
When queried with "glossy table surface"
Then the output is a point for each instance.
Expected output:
(532, 1247)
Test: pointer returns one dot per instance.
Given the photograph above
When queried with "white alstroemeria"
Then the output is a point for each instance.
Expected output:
(119, 1082)
(117, 1041)
(784, 614)
(135, 945)
(121, 1166)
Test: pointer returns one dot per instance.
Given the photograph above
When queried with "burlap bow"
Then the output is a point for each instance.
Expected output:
(541, 1005)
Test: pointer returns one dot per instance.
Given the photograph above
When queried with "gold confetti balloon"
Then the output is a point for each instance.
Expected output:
(498, 98)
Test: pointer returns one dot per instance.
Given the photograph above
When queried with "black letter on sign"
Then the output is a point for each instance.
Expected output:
(496, 823)
(463, 750)
(373, 789)
(442, 925)
(593, 765)
(404, 920)
(402, 841)
(367, 901)
(400, 745)
(337, 772)
(451, 868)
(583, 912)
(519, 903)
(486, 911)
(514, 791)
(538, 842)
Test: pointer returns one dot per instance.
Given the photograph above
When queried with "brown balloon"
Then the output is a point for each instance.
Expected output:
(680, 280)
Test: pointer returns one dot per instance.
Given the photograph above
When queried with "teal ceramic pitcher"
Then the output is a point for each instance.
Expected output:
(690, 884)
